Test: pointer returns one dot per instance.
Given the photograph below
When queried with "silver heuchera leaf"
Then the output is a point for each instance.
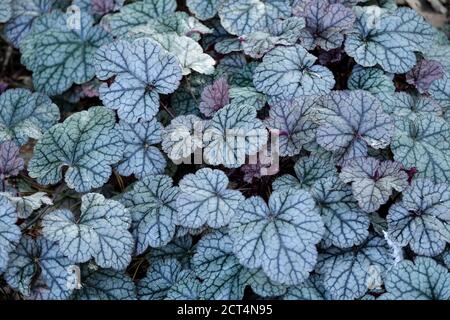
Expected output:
(27, 204)
(350, 121)
(162, 275)
(307, 171)
(142, 70)
(214, 97)
(281, 32)
(424, 73)
(141, 158)
(311, 289)
(5, 11)
(374, 80)
(347, 273)
(289, 72)
(204, 9)
(105, 284)
(180, 248)
(152, 204)
(373, 180)
(345, 224)
(402, 105)
(326, 22)
(100, 232)
(182, 137)
(243, 95)
(9, 232)
(205, 199)
(99, 7)
(245, 16)
(39, 263)
(424, 143)
(279, 237)
(185, 289)
(421, 219)
(24, 13)
(138, 13)
(10, 161)
(87, 142)
(423, 279)
(233, 133)
(224, 278)
(440, 90)
(25, 115)
(293, 120)
(388, 39)
(62, 55)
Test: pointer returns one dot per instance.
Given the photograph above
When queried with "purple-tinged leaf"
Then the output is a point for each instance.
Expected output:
(424, 73)
(214, 97)
(326, 22)
(331, 56)
(10, 162)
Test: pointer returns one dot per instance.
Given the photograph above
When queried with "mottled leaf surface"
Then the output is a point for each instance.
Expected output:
(86, 142)
(100, 232)
(424, 73)
(205, 199)
(142, 70)
(9, 232)
(25, 115)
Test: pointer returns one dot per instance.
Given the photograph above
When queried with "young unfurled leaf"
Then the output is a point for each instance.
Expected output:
(326, 22)
(138, 13)
(423, 279)
(346, 272)
(350, 121)
(9, 232)
(87, 142)
(388, 39)
(307, 171)
(100, 232)
(288, 73)
(440, 90)
(223, 276)
(421, 219)
(162, 276)
(345, 224)
(281, 32)
(39, 263)
(293, 120)
(27, 204)
(141, 158)
(424, 73)
(142, 70)
(373, 181)
(25, 115)
(205, 199)
(24, 13)
(280, 236)
(152, 204)
(105, 284)
(242, 17)
(182, 137)
(374, 80)
(424, 143)
(189, 53)
(10, 161)
(233, 133)
(62, 55)
(204, 9)
(214, 97)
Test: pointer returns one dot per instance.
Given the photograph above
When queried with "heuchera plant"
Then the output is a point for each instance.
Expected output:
(223, 149)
